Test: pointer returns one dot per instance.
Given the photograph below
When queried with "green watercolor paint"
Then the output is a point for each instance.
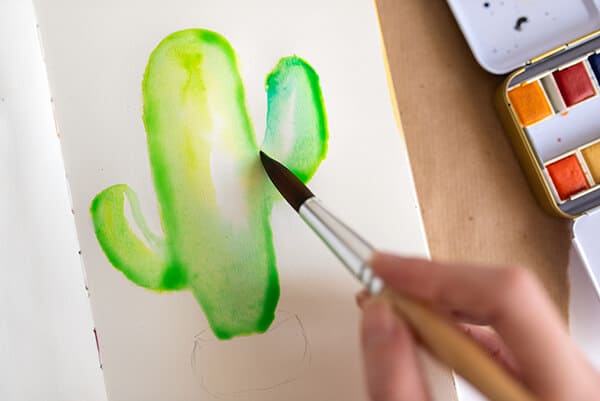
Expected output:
(214, 198)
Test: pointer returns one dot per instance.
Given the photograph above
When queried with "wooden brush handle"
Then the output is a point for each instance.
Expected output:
(454, 349)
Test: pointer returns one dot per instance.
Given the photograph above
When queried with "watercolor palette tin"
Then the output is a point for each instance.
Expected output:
(550, 101)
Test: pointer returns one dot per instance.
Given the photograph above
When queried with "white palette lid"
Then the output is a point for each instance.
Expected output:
(586, 240)
(505, 34)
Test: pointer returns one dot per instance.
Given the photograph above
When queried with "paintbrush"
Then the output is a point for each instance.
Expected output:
(438, 335)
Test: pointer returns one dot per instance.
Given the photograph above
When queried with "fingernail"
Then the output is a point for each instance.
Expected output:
(385, 258)
(361, 298)
(383, 262)
(379, 322)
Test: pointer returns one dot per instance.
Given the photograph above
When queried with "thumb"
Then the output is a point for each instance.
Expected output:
(392, 369)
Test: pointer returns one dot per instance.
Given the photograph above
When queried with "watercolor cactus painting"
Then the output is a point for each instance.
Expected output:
(214, 199)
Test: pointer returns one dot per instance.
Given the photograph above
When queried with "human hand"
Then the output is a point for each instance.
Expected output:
(526, 335)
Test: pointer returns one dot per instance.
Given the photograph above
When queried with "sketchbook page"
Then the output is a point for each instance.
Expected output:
(47, 345)
(182, 144)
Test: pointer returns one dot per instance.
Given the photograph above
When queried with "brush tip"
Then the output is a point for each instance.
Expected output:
(266, 161)
(292, 189)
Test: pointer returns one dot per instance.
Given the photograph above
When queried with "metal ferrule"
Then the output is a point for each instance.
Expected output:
(351, 249)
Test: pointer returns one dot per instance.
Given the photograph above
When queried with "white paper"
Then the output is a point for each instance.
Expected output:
(158, 346)
(47, 346)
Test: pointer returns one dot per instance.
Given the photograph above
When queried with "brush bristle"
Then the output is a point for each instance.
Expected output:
(290, 187)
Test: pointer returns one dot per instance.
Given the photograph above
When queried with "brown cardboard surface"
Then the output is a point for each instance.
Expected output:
(476, 204)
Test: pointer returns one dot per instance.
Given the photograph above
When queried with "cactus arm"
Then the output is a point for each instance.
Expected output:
(141, 261)
(296, 132)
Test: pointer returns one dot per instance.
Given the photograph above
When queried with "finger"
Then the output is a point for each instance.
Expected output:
(509, 299)
(392, 369)
(494, 345)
